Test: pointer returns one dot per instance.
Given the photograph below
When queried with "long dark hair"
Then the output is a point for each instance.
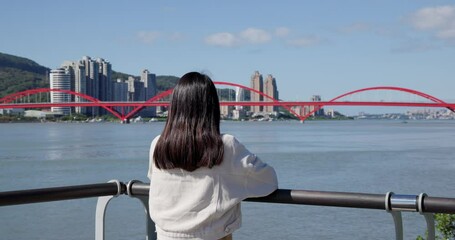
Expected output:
(191, 137)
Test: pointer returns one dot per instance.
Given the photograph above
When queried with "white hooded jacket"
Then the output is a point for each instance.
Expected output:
(205, 203)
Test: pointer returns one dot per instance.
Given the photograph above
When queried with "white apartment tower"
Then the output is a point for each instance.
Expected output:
(60, 79)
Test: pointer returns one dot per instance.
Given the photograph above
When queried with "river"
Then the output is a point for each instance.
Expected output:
(354, 156)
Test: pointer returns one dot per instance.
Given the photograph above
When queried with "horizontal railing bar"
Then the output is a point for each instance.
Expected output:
(336, 199)
(331, 199)
(59, 193)
(439, 205)
(287, 196)
(140, 189)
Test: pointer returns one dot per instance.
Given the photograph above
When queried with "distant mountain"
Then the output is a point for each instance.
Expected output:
(165, 82)
(19, 74)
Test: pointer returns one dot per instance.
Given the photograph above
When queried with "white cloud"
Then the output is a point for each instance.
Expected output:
(223, 39)
(305, 41)
(254, 35)
(148, 36)
(440, 20)
(282, 31)
(249, 35)
(447, 33)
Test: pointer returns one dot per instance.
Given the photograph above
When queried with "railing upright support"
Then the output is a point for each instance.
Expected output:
(429, 218)
(150, 225)
(395, 204)
(397, 219)
(101, 206)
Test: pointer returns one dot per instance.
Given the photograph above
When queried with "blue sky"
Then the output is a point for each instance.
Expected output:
(311, 47)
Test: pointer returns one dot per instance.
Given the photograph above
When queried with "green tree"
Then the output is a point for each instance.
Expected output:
(445, 227)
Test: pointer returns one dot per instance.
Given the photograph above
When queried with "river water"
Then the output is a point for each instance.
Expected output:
(354, 156)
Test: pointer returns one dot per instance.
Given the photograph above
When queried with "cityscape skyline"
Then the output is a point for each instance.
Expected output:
(128, 86)
(94, 78)
(313, 48)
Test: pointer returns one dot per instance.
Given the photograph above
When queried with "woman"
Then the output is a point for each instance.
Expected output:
(198, 177)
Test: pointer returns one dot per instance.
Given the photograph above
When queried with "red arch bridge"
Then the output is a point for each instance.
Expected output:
(16, 100)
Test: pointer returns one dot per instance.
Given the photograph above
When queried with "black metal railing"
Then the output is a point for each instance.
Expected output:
(59, 193)
(287, 196)
(393, 203)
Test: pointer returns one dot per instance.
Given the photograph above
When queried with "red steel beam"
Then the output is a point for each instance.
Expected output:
(287, 103)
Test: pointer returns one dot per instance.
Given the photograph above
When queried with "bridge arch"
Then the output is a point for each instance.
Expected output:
(260, 93)
(15, 96)
(168, 92)
(152, 99)
(11, 97)
(400, 89)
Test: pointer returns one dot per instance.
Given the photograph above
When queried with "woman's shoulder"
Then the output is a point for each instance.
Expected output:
(231, 142)
(154, 141)
(228, 139)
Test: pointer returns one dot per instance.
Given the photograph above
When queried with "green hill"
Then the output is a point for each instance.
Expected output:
(19, 74)
(164, 83)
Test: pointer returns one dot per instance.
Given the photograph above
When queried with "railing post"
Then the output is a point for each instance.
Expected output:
(101, 206)
(397, 219)
(429, 217)
(394, 204)
(150, 225)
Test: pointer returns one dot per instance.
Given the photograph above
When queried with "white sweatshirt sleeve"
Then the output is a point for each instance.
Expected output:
(151, 162)
(260, 178)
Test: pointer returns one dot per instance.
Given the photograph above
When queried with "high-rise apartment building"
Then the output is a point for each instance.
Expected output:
(105, 82)
(320, 112)
(92, 78)
(120, 93)
(78, 82)
(239, 96)
(239, 112)
(142, 90)
(271, 90)
(149, 88)
(256, 84)
(136, 90)
(80, 85)
(60, 79)
(131, 89)
(92, 69)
